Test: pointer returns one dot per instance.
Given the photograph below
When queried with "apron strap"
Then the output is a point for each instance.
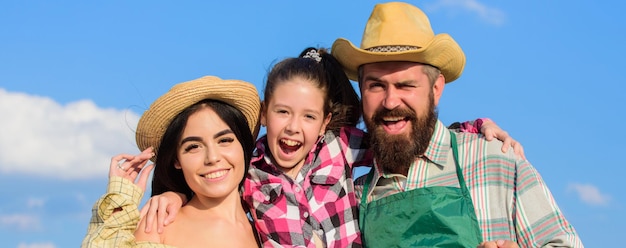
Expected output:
(464, 189)
(455, 152)
(364, 195)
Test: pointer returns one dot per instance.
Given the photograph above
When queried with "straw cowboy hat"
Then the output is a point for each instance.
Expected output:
(400, 32)
(154, 121)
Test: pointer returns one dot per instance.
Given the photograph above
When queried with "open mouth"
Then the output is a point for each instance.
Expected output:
(394, 123)
(289, 146)
(393, 119)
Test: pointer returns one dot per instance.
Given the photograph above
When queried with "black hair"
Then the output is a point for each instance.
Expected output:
(340, 98)
(166, 177)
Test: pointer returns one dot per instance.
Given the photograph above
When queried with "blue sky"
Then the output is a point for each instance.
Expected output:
(76, 75)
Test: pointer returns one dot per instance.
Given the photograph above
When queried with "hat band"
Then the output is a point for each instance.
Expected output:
(391, 49)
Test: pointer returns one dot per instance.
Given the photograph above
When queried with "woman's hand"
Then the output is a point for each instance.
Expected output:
(132, 167)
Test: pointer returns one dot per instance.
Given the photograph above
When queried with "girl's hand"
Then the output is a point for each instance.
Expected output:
(491, 130)
(163, 208)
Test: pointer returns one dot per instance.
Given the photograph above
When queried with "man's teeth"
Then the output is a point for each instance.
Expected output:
(216, 174)
(393, 118)
(290, 142)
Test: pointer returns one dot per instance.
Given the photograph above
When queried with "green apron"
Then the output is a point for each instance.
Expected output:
(425, 217)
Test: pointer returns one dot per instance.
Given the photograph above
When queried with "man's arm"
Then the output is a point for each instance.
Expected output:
(539, 221)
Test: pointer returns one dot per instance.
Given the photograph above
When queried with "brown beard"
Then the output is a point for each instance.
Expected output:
(396, 153)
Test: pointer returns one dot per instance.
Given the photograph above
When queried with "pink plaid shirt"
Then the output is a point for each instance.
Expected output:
(320, 200)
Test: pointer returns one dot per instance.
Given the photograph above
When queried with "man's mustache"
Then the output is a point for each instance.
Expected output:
(406, 113)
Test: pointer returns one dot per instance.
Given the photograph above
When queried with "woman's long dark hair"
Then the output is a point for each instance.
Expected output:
(166, 177)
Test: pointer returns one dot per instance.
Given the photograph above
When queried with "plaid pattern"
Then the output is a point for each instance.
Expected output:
(511, 200)
(320, 200)
(108, 229)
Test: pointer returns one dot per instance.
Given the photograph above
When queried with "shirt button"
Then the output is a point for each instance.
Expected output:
(305, 214)
(297, 189)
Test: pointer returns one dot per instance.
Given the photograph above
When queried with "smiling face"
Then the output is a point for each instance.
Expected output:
(295, 119)
(399, 104)
(210, 156)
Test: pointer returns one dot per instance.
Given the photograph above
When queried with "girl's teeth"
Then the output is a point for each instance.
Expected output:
(290, 142)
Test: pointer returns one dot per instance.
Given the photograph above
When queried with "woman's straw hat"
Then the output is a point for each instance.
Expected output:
(239, 94)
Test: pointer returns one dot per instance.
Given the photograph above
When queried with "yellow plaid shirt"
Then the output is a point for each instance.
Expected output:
(108, 229)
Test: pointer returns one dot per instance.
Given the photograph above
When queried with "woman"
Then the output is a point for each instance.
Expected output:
(201, 132)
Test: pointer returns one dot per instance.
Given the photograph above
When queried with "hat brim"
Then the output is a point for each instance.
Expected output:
(442, 52)
(239, 94)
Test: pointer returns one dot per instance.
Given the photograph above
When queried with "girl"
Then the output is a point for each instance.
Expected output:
(201, 132)
(300, 181)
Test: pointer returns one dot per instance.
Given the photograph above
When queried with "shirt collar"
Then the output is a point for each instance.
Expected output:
(437, 151)
(262, 161)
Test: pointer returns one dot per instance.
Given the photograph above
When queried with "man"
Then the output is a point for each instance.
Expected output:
(430, 187)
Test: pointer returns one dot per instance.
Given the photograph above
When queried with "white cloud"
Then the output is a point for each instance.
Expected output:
(22, 222)
(590, 194)
(486, 13)
(36, 245)
(77, 140)
(35, 202)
